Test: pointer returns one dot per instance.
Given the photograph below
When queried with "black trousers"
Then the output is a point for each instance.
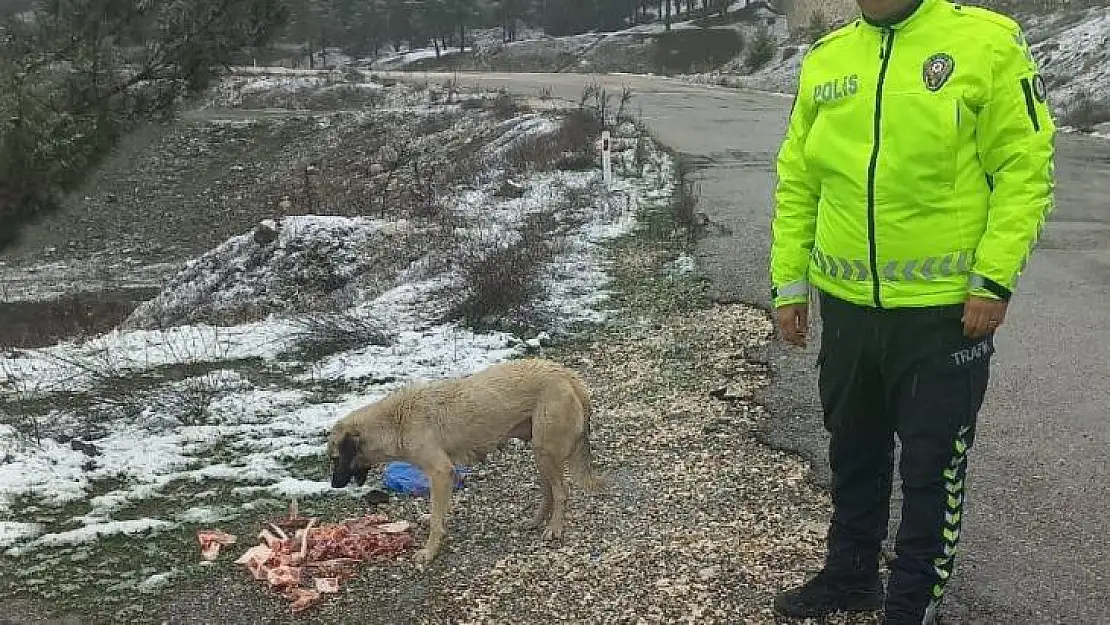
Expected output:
(909, 372)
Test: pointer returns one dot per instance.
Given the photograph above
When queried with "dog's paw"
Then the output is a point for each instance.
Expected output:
(553, 533)
(424, 557)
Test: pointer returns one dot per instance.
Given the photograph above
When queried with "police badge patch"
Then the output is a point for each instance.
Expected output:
(938, 68)
(1040, 91)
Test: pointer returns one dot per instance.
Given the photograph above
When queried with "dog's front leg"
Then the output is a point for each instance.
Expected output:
(441, 481)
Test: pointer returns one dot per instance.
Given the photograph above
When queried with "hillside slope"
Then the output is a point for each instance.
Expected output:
(694, 45)
(1073, 50)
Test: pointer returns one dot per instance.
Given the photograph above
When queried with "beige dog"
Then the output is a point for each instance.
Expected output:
(440, 425)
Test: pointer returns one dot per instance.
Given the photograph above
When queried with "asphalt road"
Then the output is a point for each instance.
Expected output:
(1037, 536)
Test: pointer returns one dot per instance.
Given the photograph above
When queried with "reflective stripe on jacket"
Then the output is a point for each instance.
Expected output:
(918, 162)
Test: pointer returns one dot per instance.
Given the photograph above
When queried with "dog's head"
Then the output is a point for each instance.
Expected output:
(347, 458)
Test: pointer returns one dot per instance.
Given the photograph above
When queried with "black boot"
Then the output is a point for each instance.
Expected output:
(830, 592)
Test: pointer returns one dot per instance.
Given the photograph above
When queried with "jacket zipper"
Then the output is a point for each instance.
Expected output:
(885, 47)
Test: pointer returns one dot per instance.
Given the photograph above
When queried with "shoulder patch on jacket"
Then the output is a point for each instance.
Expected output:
(1006, 23)
(832, 36)
(1000, 30)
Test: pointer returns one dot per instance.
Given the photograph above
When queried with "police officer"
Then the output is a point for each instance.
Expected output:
(914, 179)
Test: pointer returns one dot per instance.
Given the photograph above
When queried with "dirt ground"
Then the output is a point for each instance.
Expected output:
(703, 523)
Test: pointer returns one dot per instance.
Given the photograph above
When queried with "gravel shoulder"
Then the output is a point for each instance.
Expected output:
(703, 523)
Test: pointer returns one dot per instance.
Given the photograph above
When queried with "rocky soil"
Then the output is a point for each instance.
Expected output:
(702, 524)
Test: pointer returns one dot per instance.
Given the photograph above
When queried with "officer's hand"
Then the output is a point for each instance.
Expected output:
(793, 323)
(983, 315)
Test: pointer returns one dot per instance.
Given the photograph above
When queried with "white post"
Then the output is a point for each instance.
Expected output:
(606, 159)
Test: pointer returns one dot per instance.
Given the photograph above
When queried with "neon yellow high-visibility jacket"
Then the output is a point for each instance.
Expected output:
(918, 162)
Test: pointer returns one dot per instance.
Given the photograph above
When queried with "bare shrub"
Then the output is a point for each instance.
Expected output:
(681, 221)
(625, 101)
(505, 106)
(501, 281)
(534, 153)
(597, 102)
(568, 148)
(761, 51)
(1086, 112)
(598, 99)
(321, 335)
(176, 378)
(581, 127)
(190, 400)
(18, 409)
(117, 380)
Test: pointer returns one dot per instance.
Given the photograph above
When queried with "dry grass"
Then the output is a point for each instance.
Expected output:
(502, 282)
(322, 334)
(1086, 112)
(761, 51)
(569, 148)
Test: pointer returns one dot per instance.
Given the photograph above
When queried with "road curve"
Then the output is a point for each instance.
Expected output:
(1037, 537)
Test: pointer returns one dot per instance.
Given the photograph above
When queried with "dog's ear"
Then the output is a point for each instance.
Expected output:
(348, 448)
(344, 465)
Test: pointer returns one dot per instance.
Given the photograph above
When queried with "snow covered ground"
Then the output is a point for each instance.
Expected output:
(1076, 58)
(780, 75)
(172, 421)
(629, 50)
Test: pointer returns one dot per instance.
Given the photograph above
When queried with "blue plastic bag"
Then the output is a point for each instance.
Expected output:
(402, 477)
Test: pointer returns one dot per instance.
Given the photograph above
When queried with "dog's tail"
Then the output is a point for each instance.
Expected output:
(581, 459)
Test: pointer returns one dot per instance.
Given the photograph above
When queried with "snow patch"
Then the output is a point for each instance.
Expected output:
(156, 582)
(1077, 60)
(1073, 52)
(204, 420)
(91, 532)
(12, 532)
